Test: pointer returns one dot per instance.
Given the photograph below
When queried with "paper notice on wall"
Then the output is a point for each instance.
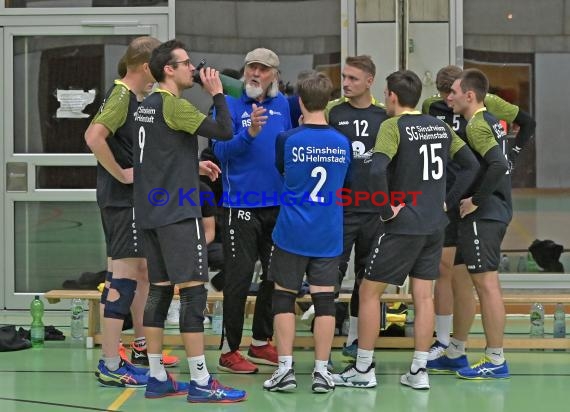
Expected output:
(72, 103)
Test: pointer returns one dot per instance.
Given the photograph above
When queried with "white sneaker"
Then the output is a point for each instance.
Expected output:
(418, 380)
(282, 380)
(436, 350)
(354, 378)
(322, 382)
(173, 316)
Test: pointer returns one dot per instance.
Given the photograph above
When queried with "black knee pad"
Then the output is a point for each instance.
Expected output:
(105, 292)
(120, 308)
(157, 304)
(283, 301)
(192, 307)
(324, 303)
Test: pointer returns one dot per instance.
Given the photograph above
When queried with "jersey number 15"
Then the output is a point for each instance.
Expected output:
(431, 161)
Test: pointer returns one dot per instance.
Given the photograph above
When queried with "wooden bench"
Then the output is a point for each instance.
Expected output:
(510, 299)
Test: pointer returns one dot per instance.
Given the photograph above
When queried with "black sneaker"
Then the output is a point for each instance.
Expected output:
(282, 380)
(322, 382)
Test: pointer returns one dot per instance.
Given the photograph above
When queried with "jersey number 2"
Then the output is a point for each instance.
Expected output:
(321, 173)
(432, 158)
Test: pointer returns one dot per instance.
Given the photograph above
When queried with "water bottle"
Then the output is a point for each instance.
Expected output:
(505, 264)
(559, 330)
(76, 320)
(521, 266)
(531, 265)
(37, 330)
(409, 325)
(218, 318)
(537, 321)
(232, 87)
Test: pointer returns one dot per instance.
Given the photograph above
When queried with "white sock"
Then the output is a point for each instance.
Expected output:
(225, 347)
(198, 370)
(352, 330)
(419, 361)
(321, 366)
(285, 362)
(455, 349)
(256, 342)
(364, 359)
(157, 366)
(112, 363)
(495, 355)
(443, 328)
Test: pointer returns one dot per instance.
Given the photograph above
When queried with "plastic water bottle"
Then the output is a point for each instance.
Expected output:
(505, 264)
(537, 321)
(77, 320)
(409, 325)
(521, 266)
(531, 265)
(37, 330)
(559, 330)
(218, 318)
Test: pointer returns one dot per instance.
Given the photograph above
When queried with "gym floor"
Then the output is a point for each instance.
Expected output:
(59, 377)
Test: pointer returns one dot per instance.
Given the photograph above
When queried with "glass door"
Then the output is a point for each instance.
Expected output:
(54, 79)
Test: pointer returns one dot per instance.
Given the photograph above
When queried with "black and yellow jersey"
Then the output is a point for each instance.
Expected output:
(419, 147)
(361, 126)
(166, 160)
(116, 114)
(484, 131)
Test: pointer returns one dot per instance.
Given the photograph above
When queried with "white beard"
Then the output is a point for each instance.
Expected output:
(253, 92)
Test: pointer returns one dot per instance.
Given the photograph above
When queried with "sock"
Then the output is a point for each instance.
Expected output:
(140, 343)
(157, 367)
(443, 328)
(352, 330)
(321, 366)
(112, 363)
(364, 359)
(256, 342)
(225, 347)
(495, 355)
(285, 362)
(455, 349)
(198, 370)
(419, 361)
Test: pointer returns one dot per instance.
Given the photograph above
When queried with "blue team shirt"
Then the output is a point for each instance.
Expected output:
(248, 164)
(314, 160)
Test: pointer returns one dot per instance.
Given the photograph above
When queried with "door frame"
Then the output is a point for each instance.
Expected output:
(154, 21)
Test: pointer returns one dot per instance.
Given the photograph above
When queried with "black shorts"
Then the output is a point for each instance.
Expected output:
(122, 238)
(479, 244)
(450, 236)
(177, 252)
(288, 269)
(395, 256)
(359, 230)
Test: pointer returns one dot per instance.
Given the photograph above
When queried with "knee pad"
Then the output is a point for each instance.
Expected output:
(192, 307)
(105, 291)
(324, 303)
(157, 304)
(120, 308)
(283, 301)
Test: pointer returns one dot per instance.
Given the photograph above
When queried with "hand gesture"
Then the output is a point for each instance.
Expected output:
(466, 207)
(209, 168)
(258, 120)
(126, 176)
(395, 210)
